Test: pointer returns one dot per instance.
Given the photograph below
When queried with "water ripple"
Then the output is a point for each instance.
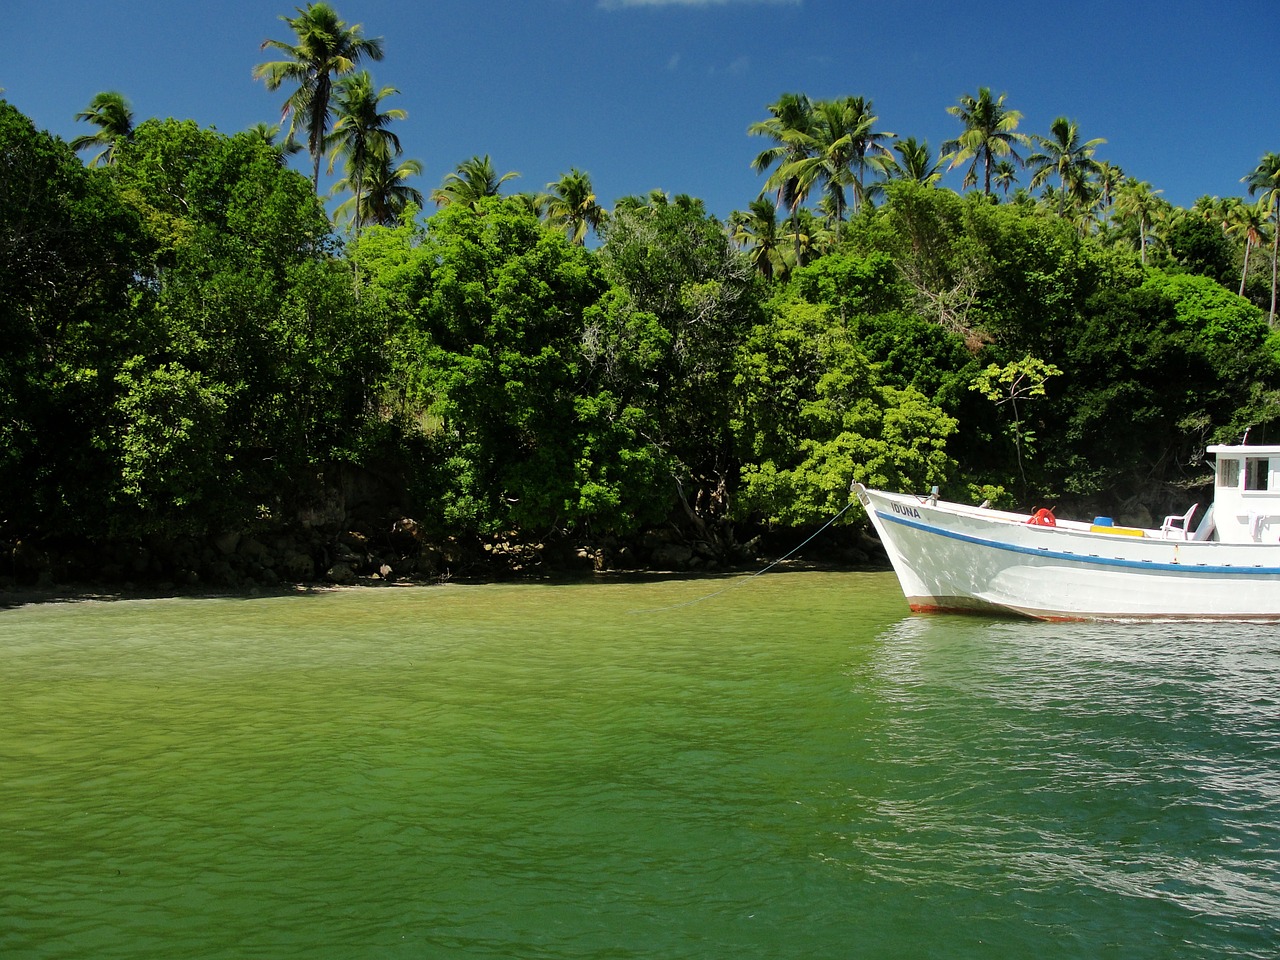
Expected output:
(795, 769)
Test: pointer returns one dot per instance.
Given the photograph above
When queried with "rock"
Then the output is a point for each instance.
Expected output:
(672, 556)
(221, 573)
(296, 565)
(253, 550)
(340, 572)
(327, 511)
(355, 540)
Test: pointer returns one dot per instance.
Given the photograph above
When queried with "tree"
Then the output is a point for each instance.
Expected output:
(473, 181)
(757, 231)
(111, 114)
(1200, 245)
(493, 315)
(789, 127)
(361, 135)
(664, 343)
(1249, 220)
(915, 162)
(1019, 380)
(1063, 154)
(1110, 177)
(990, 133)
(835, 151)
(812, 415)
(570, 205)
(1137, 201)
(326, 48)
(70, 250)
(384, 196)
(254, 344)
(1006, 176)
(1265, 179)
(1152, 371)
(269, 133)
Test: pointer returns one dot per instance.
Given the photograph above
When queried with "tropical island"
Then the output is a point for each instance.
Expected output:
(213, 375)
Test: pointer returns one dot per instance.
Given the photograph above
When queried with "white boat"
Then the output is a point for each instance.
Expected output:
(952, 557)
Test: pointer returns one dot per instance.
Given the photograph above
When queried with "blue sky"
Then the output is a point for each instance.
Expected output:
(646, 94)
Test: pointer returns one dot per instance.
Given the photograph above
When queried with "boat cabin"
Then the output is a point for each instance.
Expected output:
(1246, 496)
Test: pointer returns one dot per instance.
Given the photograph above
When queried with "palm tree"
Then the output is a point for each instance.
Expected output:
(384, 195)
(269, 134)
(111, 114)
(788, 126)
(570, 205)
(326, 48)
(361, 135)
(869, 147)
(756, 231)
(990, 133)
(1063, 154)
(474, 180)
(1214, 209)
(836, 150)
(1006, 176)
(1110, 177)
(1136, 199)
(1248, 220)
(916, 162)
(1265, 179)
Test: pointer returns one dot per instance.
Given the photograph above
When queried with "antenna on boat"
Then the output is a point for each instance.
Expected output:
(1244, 441)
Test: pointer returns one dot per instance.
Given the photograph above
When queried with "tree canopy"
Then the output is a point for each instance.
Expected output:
(192, 349)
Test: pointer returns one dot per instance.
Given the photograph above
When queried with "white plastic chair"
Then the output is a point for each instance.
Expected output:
(1178, 525)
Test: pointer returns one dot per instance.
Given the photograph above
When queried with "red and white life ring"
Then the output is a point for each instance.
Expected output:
(1043, 518)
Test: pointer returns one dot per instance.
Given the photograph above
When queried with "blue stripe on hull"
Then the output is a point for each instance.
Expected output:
(1183, 569)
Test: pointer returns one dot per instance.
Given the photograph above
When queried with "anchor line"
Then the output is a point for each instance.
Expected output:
(743, 581)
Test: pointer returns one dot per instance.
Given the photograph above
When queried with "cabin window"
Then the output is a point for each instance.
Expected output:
(1229, 474)
(1257, 472)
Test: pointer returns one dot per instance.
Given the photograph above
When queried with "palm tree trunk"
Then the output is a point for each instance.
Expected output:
(795, 229)
(1245, 272)
(1275, 239)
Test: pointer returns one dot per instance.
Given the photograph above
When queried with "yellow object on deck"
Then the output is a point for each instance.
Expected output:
(1122, 531)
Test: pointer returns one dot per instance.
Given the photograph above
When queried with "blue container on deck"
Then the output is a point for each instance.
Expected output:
(1102, 522)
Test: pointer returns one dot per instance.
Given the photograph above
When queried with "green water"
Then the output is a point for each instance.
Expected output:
(795, 768)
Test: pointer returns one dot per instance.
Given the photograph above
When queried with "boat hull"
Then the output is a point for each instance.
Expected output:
(950, 557)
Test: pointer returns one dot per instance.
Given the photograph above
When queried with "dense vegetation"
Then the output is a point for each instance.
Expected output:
(196, 361)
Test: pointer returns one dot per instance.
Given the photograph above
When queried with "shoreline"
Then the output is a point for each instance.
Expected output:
(74, 593)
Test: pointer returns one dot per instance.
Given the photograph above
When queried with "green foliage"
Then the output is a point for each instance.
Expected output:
(491, 308)
(254, 332)
(870, 298)
(1154, 372)
(174, 460)
(1200, 247)
(1019, 381)
(813, 417)
(185, 344)
(666, 339)
(69, 249)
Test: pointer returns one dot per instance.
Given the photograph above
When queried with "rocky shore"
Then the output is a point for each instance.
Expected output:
(394, 549)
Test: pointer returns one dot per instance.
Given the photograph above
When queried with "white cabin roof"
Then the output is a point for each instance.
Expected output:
(1221, 450)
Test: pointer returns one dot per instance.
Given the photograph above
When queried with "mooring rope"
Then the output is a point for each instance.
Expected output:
(743, 581)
